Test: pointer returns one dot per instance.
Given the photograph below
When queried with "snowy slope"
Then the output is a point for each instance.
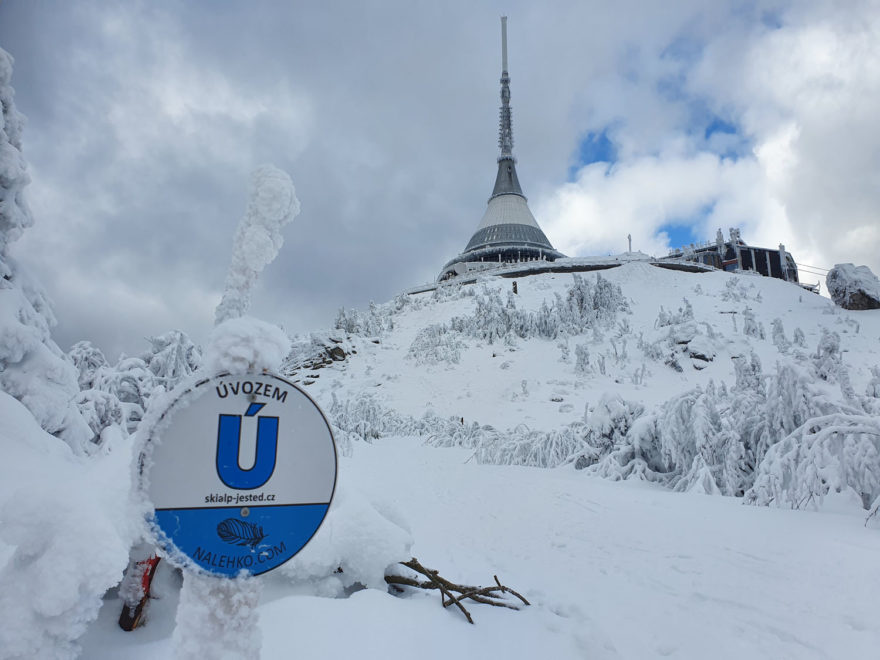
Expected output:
(613, 569)
(486, 384)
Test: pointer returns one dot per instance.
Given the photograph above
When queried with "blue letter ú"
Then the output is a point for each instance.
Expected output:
(228, 445)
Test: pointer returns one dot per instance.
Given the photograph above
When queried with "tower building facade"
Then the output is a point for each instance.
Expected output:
(508, 232)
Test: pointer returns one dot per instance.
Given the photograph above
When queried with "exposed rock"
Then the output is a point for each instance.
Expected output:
(316, 352)
(673, 363)
(853, 287)
(701, 348)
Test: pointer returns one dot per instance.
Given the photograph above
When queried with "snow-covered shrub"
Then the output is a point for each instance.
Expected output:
(779, 339)
(131, 383)
(734, 291)
(361, 418)
(827, 357)
(172, 357)
(751, 326)
(435, 344)
(586, 306)
(655, 348)
(376, 321)
(119, 394)
(606, 446)
(610, 420)
(88, 359)
(683, 315)
(873, 389)
(452, 289)
(523, 446)
(564, 351)
(101, 410)
(637, 457)
(589, 305)
(834, 453)
(582, 360)
(699, 479)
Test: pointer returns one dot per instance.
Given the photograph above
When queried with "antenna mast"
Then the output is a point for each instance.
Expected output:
(505, 131)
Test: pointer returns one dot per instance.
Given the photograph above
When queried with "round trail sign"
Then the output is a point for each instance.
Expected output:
(240, 471)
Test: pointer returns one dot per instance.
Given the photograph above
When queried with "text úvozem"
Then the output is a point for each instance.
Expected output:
(251, 387)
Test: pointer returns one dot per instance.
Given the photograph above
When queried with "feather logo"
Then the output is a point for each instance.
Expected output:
(239, 532)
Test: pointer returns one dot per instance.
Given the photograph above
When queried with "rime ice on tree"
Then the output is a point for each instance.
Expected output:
(32, 367)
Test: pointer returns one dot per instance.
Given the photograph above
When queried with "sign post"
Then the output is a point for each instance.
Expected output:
(240, 472)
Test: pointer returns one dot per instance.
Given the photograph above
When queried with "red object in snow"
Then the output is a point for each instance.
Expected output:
(130, 617)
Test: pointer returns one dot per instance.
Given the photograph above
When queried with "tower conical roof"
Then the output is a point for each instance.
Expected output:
(508, 230)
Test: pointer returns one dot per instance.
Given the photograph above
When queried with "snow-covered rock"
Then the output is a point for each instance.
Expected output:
(853, 287)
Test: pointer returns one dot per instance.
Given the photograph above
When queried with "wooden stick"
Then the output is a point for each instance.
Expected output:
(452, 593)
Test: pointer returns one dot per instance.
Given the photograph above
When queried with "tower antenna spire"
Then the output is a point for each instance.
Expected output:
(508, 232)
(505, 130)
(504, 44)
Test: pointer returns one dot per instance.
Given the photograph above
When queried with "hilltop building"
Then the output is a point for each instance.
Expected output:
(508, 232)
(735, 254)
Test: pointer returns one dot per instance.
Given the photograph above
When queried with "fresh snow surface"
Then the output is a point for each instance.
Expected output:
(613, 569)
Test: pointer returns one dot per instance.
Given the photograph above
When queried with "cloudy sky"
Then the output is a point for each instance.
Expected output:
(666, 120)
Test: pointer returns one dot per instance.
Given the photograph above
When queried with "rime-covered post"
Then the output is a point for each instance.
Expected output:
(217, 617)
(258, 239)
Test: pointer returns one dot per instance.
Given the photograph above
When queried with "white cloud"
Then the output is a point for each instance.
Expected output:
(804, 95)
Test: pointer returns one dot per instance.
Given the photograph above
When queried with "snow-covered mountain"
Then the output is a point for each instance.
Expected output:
(690, 380)
(476, 425)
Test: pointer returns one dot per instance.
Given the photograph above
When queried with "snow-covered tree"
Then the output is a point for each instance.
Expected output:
(55, 508)
(32, 367)
(172, 356)
(15, 215)
(118, 394)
